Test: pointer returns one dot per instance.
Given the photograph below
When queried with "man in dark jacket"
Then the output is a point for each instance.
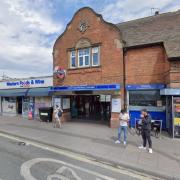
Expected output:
(146, 130)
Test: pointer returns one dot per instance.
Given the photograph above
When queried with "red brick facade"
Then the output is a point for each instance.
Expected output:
(146, 66)
(143, 65)
(107, 36)
(174, 75)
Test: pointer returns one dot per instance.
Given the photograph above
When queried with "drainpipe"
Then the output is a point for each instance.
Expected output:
(124, 78)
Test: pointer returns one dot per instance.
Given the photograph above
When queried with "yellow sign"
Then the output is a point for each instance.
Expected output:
(176, 121)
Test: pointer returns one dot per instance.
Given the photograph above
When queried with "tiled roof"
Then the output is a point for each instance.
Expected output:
(154, 29)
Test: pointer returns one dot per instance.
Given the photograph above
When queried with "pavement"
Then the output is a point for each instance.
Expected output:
(97, 141)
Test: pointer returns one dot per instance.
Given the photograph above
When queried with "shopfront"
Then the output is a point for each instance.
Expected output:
(146, 97)
(25, 96)
(91, 107)
(0, 106)
(91, 53)
(88, 103)
(88, 69)
(12, 101)
(173, 111)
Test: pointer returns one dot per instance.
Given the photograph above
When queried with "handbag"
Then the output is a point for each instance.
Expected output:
(59, 113)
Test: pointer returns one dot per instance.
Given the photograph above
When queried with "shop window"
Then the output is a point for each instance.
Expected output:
(9, 105)
(10, 99)
(95, 56)
(84, 57)
(146, 98)
(73, 59)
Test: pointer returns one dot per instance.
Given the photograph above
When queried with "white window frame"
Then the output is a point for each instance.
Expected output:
(84, 55)
(94, 65)
(71, 56)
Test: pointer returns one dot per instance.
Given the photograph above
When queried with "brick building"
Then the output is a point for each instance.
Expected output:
(100, 67)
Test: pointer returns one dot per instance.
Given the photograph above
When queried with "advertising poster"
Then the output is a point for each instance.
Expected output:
(66, 103)
(57, 101)
(102, 98)
(116, 105)
(0, 105)
(9, 105)
(177, 111)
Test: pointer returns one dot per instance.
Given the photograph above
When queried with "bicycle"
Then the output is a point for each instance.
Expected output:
(155, 127)
(131, 130)
(138, 126)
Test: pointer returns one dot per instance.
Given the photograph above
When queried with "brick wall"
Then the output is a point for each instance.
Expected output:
(111, 54)
(146, 66)
(108, 37)
(175, 74)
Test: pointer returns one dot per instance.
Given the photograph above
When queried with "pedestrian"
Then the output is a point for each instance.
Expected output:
(87, 109)
(124, 119)
(146, 130)
(57, 115)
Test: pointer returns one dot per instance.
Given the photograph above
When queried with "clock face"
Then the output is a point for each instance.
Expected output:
(83, 26)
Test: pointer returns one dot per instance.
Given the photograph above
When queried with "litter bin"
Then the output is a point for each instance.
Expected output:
(46, 113)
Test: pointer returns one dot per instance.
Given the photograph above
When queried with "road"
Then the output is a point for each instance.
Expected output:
(32, 161)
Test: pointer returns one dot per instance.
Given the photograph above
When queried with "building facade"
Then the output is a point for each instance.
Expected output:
(25, 96)
(100, 67)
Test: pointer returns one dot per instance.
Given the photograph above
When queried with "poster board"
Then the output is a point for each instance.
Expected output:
(105, 98)
(9, 105)
(57, 101)
(0, 105)
(116, 105)
(177, 111)
(102, 98)
(66, 103)
(108, 98)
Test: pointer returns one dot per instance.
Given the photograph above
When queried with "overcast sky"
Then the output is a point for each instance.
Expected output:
(28, 28)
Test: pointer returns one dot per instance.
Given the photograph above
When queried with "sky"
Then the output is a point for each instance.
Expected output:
(29, 28)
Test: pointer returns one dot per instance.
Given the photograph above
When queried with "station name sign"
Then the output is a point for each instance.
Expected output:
(99, 87)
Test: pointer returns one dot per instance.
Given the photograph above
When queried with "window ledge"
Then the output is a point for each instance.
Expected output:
(84, 70)
(79, 68)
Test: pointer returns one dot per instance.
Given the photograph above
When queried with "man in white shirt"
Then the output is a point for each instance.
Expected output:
(124, 119)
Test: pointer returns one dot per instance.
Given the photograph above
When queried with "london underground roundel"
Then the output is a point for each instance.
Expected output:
(59, 72)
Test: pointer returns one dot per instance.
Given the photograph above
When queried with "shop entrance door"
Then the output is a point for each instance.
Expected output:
(19, 105)
(90, 108)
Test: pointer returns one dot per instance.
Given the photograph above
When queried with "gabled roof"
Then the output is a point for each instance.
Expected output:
(163, 28)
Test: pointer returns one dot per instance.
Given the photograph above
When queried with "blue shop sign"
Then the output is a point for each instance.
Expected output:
(25, 83)
(87, 87)
(144, 86)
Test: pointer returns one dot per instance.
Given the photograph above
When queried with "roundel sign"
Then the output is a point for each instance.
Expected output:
(59, 72)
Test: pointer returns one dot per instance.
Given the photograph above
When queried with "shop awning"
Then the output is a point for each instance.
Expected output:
(170, 92)
(13, 92)
(39, 92)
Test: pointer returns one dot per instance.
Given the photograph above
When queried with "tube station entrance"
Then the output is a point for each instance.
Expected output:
(96, 108)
